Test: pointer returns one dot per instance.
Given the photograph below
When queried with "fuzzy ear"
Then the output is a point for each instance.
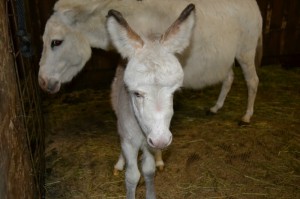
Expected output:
(72, 13)
(126, 40)
(178, 35)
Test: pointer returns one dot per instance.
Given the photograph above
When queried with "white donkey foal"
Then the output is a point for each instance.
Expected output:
(142, 93)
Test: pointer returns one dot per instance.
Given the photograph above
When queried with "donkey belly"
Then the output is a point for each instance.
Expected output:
(206, 70)
(224, 29)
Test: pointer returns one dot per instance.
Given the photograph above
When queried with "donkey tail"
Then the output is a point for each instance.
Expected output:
(259, 51)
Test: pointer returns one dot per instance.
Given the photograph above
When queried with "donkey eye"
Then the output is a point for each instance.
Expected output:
(55, 43)
(138, 94)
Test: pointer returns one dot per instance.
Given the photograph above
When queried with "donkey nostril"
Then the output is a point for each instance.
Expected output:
(52, 85)
(150, 141)
(42, 82)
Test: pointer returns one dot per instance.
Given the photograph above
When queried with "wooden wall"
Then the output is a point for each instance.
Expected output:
(281, 31)
(16, 180)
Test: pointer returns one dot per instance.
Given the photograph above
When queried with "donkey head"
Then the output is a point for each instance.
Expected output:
(66, 46)
(153, 72)
(65, 52)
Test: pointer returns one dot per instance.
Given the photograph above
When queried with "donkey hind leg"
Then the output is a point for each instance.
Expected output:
(148, 168)
(119, 166)
(226, 86)
(247, 62)
(132, 174)
(158, 160)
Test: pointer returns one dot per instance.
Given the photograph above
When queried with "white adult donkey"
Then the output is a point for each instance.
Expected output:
(142, 93)
(225, 30)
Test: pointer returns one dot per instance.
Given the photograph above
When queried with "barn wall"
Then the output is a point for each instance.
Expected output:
(281, 31)
(16, 179)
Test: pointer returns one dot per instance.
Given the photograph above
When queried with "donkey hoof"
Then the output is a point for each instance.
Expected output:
(116, 172)
(210, 113)
(160, 167)
(243, 123)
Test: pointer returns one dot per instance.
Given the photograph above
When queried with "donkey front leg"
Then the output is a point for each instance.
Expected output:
(119, 166)
(132, 174)
(226, 86)
(148, 168)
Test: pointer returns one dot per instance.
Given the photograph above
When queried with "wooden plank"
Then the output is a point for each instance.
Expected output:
(277, 14)
(292, 32)
(16, 179)
(263, 6)
(281, 31)
(293, 17)
(289, 61)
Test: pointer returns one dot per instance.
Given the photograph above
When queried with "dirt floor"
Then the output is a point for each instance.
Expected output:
(210, 157)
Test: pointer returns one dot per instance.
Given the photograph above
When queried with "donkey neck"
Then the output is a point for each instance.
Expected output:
(93, 27)
(147, 17)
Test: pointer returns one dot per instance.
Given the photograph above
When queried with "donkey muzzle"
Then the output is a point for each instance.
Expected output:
(50, 85)
(161, 141)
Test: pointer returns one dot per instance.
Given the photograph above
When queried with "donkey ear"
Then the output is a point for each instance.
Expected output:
(126, 40)
(72, 13)
(177, 37)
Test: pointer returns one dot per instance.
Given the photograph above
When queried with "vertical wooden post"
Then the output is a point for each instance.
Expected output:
(16, 180)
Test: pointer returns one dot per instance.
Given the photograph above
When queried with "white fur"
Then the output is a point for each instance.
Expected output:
(225, 30)
(142, 96)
